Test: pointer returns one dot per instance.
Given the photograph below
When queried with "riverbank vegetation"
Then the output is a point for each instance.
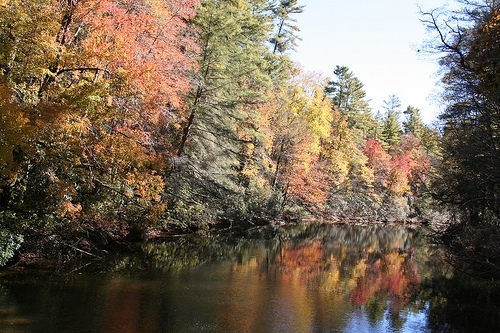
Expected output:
(124, 118)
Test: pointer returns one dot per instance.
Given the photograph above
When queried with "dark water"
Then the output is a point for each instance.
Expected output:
(303, 278)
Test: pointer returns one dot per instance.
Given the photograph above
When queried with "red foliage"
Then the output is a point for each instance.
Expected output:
(372, 150)
(401, 167)
(421, 162)
(401, 172)
(394, 274)
(409, 167)
(379, 160)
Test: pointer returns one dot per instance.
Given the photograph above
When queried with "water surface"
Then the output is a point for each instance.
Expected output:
(300, 278)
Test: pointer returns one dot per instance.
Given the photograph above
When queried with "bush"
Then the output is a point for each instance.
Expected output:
(9, 243)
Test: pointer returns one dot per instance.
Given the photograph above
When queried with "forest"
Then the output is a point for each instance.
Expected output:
(124, 119)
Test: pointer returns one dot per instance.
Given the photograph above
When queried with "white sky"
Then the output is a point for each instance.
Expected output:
(379, 41)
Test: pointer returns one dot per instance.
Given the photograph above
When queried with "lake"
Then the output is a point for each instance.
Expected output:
(295, 278)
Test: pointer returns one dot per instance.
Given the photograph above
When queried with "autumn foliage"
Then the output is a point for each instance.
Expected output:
(400, 171)
(121, 117)
(139, 41)
(392, 274)
(94, 87)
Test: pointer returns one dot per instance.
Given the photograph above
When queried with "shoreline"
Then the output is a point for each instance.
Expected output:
(33, 262)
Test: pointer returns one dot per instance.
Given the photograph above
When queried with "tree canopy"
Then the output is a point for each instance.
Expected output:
(469, 175)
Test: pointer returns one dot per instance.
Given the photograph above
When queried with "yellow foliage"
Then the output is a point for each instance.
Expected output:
(493, 23)
(310, 113)
(14, 134)
(345, 158)
(397, 183)
(147, 187)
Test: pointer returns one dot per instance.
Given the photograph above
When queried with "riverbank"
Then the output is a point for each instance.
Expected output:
(84, 249)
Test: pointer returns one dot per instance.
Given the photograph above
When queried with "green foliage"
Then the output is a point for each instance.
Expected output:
(220, 126)
(232, 74)
(349, 98)
(284, 37)
(391, 129)
(413, 123)
(9, 243)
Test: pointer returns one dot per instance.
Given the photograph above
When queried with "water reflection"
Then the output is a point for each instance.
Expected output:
(302, 278)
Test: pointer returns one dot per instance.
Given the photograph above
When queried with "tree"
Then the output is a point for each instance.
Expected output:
(349, 97)
(15, 131)
(345, 161)
(233, 65)
(219, 130)
(99, 83)
(470, 177)
(471, 118)
(284, 37)
(299, 124)
(391, 128)
(379, 161)
(420, 162)
(413, 123)
(400, 172)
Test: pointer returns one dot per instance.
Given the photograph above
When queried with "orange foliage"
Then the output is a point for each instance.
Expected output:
(401, 166)
(394, 273)
(402, 171)
(420, 161)
(299, 118)
(100, 84)
(409, 167)
(309, 184)
(139, 41)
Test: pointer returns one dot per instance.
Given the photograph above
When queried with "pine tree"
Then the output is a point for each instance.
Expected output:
(221, 118)
(413, 123)
(349, 98)
(391, 131)
(285, 33)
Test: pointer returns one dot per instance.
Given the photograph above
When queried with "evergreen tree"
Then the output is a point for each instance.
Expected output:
(222, 108)
(413, 123)
(391, 131)
(349, 98)
(285, 33)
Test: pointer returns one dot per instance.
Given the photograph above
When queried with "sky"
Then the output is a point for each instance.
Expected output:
(379, 40)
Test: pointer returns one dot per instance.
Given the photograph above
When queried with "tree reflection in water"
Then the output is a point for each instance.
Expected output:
(298, 278)
(319, 273)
